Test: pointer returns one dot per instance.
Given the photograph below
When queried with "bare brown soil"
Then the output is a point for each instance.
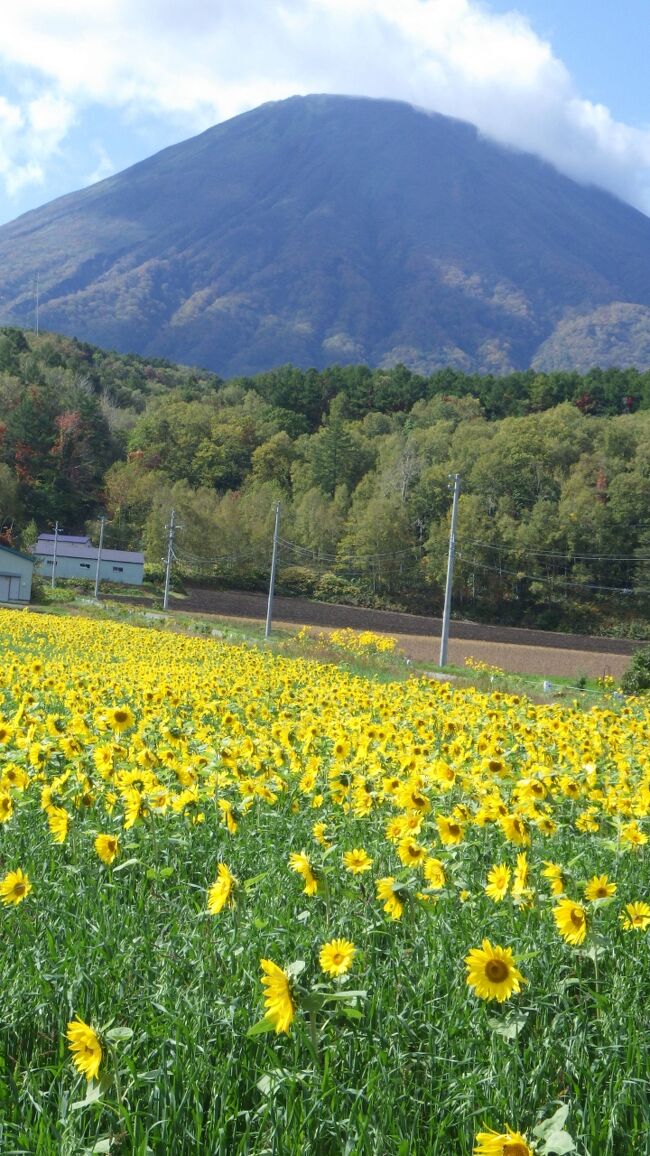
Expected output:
(511, 649)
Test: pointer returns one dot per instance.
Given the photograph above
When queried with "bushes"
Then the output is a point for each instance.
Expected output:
(636, 679)
(296, 581)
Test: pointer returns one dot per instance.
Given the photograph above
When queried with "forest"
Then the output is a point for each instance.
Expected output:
(553, 526)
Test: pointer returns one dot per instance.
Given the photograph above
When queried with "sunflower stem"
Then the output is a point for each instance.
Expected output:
(313, 1036)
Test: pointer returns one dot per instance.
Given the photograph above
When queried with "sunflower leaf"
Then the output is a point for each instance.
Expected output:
(555, 1140)
(553, 1124)
(119, 1035)
(260, 1028)
(510, 1027)
(123, 866)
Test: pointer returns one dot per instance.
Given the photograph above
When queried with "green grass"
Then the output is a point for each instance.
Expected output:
(415, 1065)
(424, 1062)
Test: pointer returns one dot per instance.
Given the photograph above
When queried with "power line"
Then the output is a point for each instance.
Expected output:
(408, 552)
(502, 549)
(554, 580)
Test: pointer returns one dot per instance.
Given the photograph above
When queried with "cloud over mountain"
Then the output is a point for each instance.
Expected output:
(198, 64)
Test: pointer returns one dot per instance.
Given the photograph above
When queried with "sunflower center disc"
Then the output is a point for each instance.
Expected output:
(496, 970)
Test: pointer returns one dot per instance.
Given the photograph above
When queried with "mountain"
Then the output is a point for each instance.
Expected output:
(327, 228)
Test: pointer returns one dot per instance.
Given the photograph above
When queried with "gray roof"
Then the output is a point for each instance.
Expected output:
(10, 550)
(77, 539)
(69, 550)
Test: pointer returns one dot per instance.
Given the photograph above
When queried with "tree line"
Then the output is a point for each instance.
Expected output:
(553, 526)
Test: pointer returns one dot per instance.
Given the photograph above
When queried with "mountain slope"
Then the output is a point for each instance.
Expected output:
(322, 229)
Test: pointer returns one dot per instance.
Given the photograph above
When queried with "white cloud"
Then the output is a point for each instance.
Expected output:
(31, 132)
(104, 166)
(206, 60)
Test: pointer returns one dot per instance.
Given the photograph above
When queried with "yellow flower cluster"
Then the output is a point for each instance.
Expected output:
(362, 643)
(399, 797)
(480, 667)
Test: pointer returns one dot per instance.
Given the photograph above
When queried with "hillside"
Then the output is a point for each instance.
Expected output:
(553, 528)
(326, 228)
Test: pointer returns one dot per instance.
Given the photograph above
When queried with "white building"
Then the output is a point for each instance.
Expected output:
(16, 571)
(75, 559)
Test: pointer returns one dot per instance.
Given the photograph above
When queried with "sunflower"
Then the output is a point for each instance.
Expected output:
(599, 887)
(221, 892)
(299, 862)
(554, 873)
(57, 821)
(229, 815)
(319, 831)
(632, 834)
(85, 1047)
(636, 916)
(14, 887)
(120, 718)
(434, 873)
(492, 973)
(134, 806)
(498, 882)
(6, 808)
(357, 861)
(515, 830)
(506, 1143)
(449, 830)
(571, 921)
(386, 890)
(411, 853)
(336, 956)
(278, 999)
(107, 847)
(521, 876)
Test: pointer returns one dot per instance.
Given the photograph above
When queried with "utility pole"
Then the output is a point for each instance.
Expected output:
(37, 287)
(99, 556)
(274, 562)
(170, 554)
(446, 615)
(56, 538)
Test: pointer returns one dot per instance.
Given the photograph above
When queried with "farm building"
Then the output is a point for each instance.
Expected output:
(16, 571)
(75, 559)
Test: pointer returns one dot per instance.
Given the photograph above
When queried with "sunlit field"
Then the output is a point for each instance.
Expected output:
(253, 904)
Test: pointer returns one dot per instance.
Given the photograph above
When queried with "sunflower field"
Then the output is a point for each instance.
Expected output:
(259, 905)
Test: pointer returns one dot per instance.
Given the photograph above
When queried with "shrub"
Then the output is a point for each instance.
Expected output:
(334, 588)
(297, 581)
(637, 676)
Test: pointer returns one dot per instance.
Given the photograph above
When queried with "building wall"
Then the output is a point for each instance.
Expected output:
(15, 578)
(131, 573)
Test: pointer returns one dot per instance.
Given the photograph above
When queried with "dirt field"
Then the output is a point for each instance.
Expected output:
(512, 649)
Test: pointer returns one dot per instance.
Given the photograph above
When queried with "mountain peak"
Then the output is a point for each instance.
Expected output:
(329, 228)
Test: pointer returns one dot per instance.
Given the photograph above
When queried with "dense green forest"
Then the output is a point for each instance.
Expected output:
(554, 517)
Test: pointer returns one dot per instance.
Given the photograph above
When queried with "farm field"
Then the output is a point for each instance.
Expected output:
(258, 905)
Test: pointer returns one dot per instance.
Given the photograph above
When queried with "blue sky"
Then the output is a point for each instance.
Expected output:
(604, 44)
(87, 89)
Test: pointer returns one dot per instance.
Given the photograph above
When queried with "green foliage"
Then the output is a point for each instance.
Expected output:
(334, 588)
(636, 679)
(552, 521)
(297, 581)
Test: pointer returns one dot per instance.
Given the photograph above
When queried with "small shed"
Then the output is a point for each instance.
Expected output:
(80, 561)
(16, 571)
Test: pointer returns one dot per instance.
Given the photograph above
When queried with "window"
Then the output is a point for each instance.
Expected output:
(118, 569)
(85, 565)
